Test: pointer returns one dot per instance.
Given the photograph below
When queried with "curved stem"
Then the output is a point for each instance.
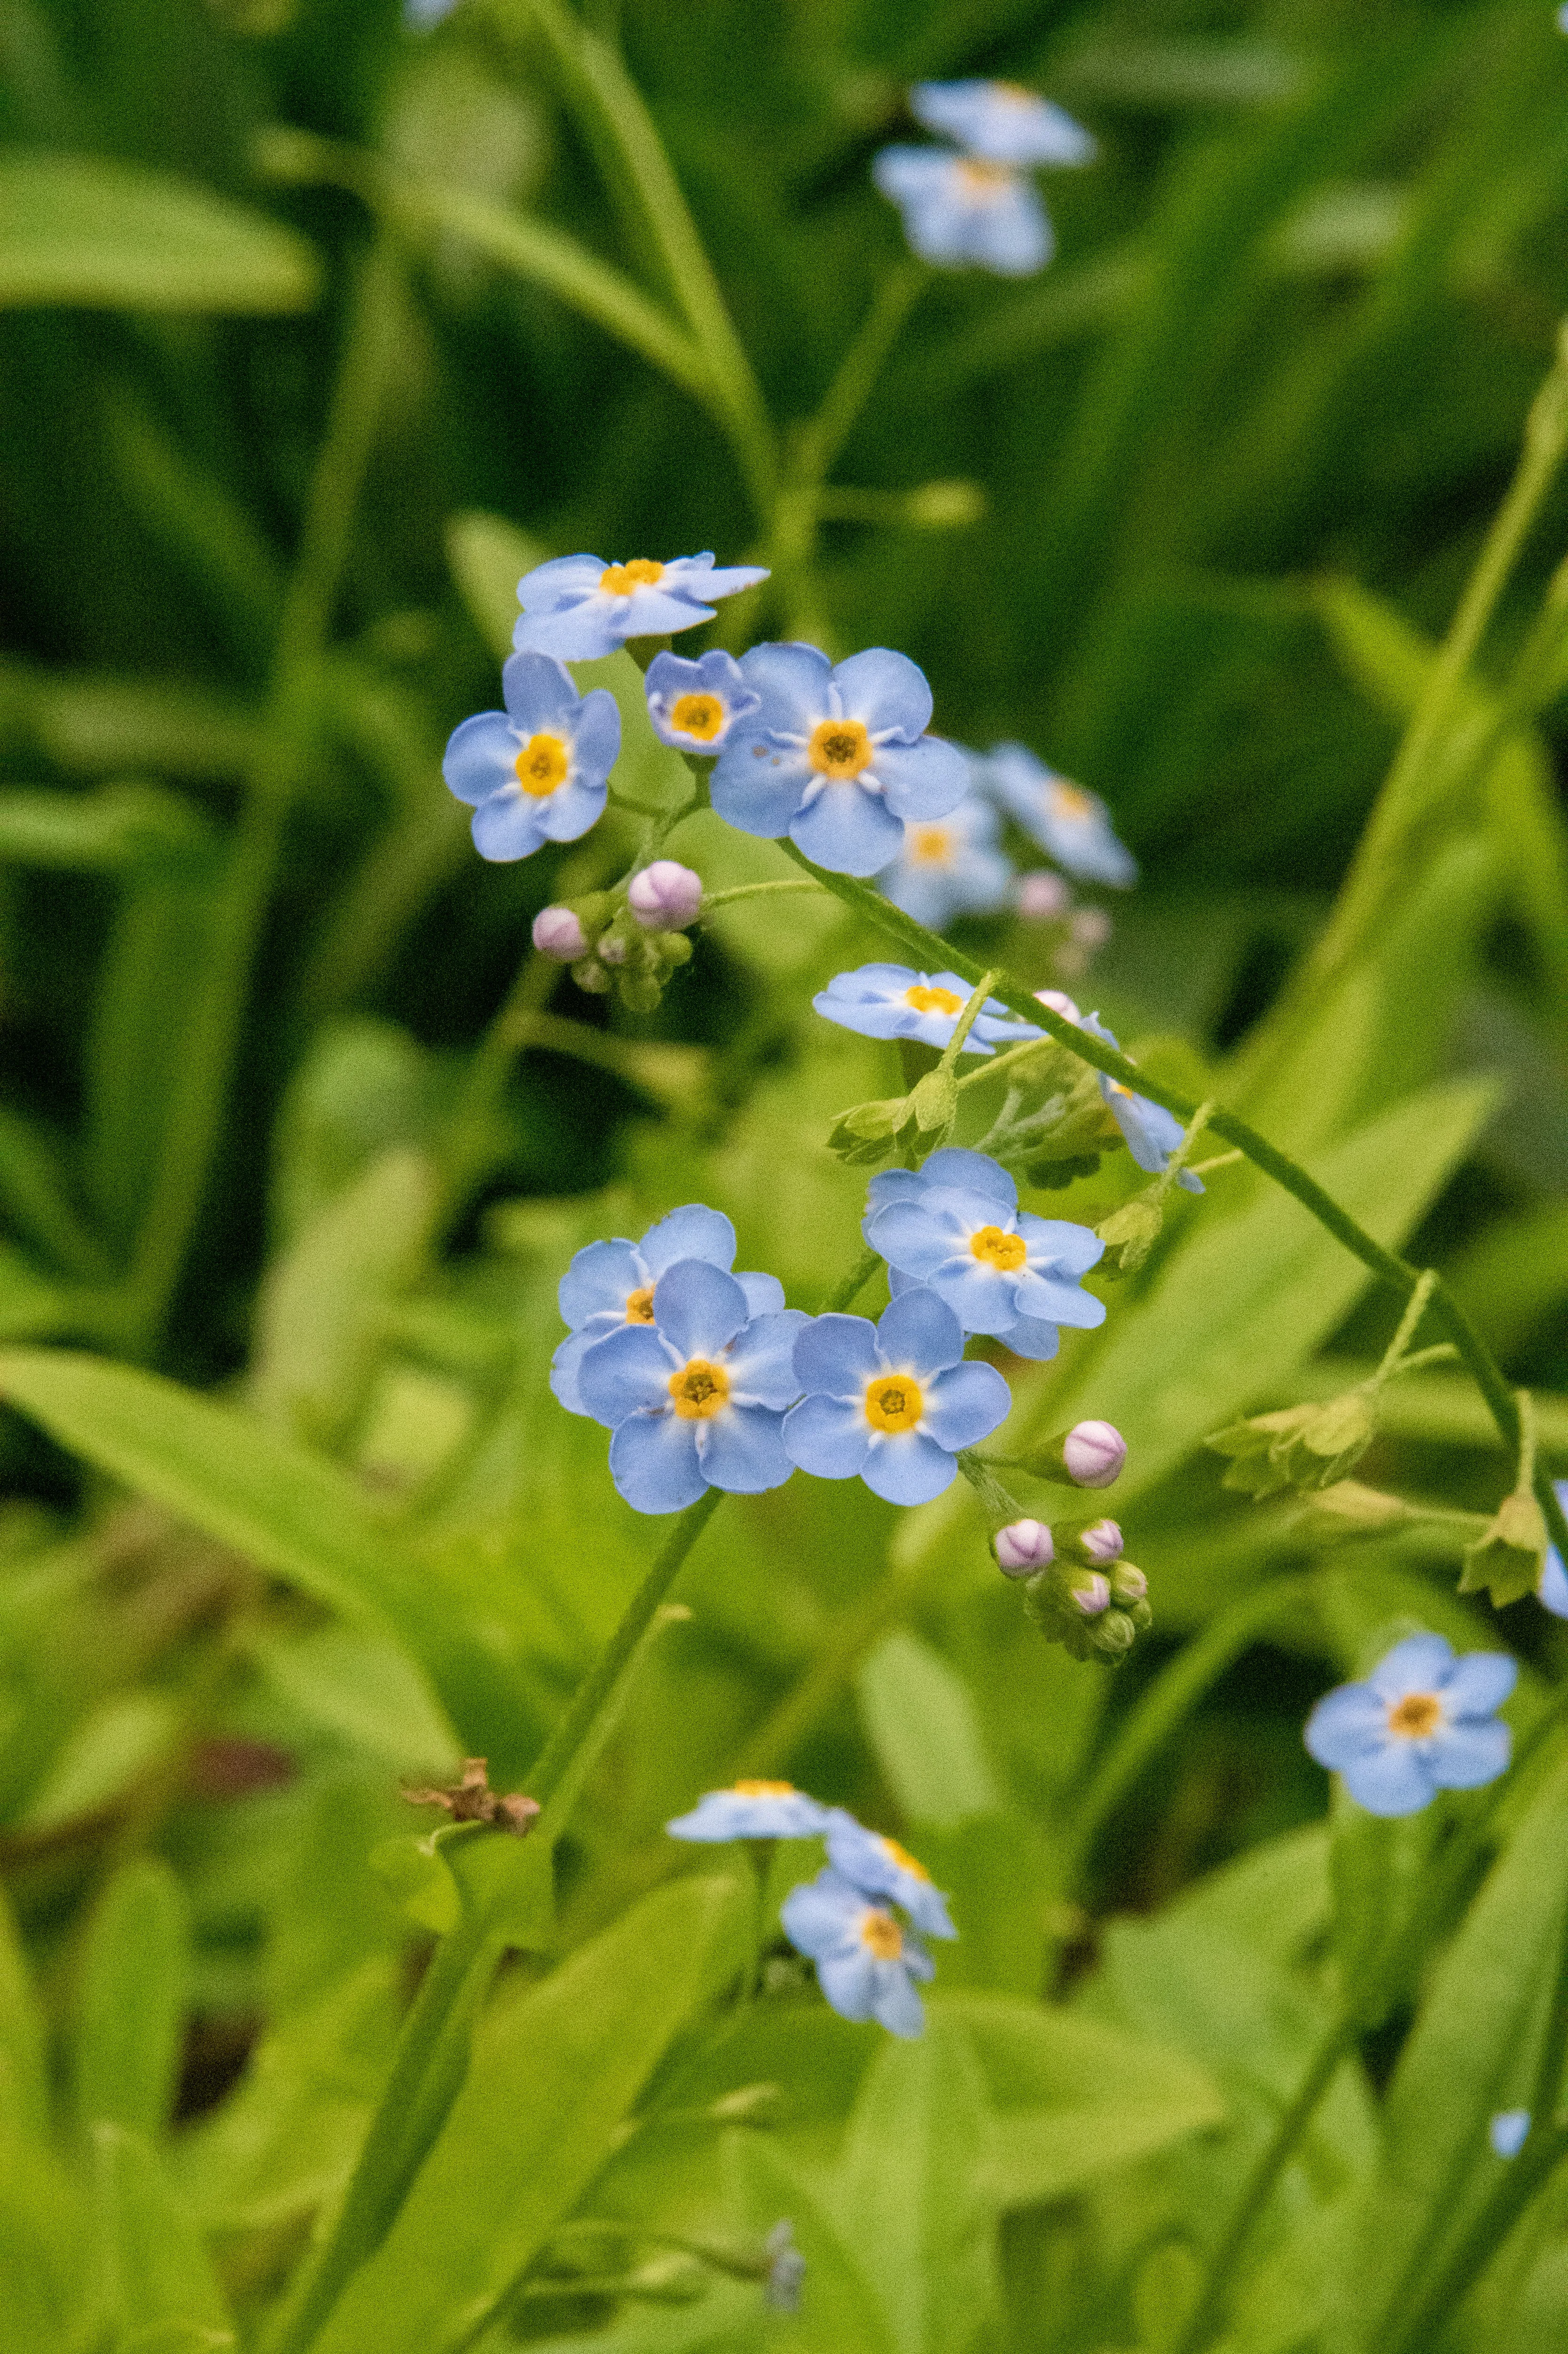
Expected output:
(753, 891)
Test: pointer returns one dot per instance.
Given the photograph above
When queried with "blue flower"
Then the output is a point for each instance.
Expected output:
(955, 1225)
(949, 866)
(835, 757)
(427, 12)
(1552, 1584)
(892, 1401)
(693, 705)
(538, 770)
(1001, 121)
(866, 1965)
(695, 1398)
(1149, 1132)
(1423, 1722)
(578, 606)
(961, 214)
(1509, 2131)
(880, 1867)
(1070, 825)
(753, 1810)
(610, 1284)
(889, 1001)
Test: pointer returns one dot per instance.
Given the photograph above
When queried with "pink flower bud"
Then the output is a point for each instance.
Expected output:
(1059, 1002)
(1092, 1595)
(665, 895)
(558, 934)
(1042, 896)
(1094, 1453)
(1091, 927)
(1023, 1547)
(1101, 1541)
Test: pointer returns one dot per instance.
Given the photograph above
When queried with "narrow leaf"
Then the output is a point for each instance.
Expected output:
(133, 2000)
(83, 229)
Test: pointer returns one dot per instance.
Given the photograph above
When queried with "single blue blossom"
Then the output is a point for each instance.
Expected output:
(962, 213)
(1070, 825)
(753, 1810)
(696, 1398)
(1423, 1722)
(836, 757)
(955, 1225)
(693, 705)
(891, 1402)
(878, 1866)
(889, 1001)
(1552, 1585)
(1151, 1133)
(611, 1283)
(578, 606)
(537, 771)
(1001, 121)
(866, 1965)
(1509, 2131)
(949, 866)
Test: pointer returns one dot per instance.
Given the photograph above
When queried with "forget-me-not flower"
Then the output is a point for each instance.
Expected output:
(1509, 2131)
(878, 1866)
(578, 606)
(891, 1402)
(1001, 121)
(753, 1810)
(1070, 825)
(866, 1965)
(889, 1001)
(1552, 1584)
(837, 756)
(949, 866)
(610, 1284)
(1423, 1722)
(961, 212)
(693, 705)
(695, 1398)
(1151, 1133)
(955, 1225)
(539, 770)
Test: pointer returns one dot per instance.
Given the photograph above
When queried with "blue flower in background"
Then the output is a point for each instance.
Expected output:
(1509, 2132)
(753, 1810)
(1001, 121)
(578, 606)
(962, 213)
(1149, 1132)
(693, 705)
(866, 1965)
(425, 13)
(955, 1225)
(949, 866)
(891, 1402)
(537, 771)
(880, 1867)
(611, 1283)
(889, 1001)
(836, 757)
(1552, 1587)
(1423, 1722)
(695, 1398)
(1070, 825)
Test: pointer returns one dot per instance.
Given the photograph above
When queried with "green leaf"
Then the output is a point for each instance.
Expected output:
(364, 1690)
(840, 2307)
(158, 2289)
(131, 2001)
(923, 1726)
(83, 229)
(554, 2075)
(96, 833)
(106, 1755)
(1377, 1868)
(24, 2077)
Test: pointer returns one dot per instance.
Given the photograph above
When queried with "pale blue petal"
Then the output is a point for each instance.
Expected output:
(793, 681)
(1394, 1780)
(1479, 1682)
(1013, 236)
(927, 780)
(567, 813)
(601, 1278)
(894, 2003)
(756, 786)
(761, 1363)
(908, 1469)
(847, 1977)
(741, 1451)
(837, 1354)
(957, 1167)
(741, 1814)
(920, 1330)
(568, 1359)
(1509, 2131)
(848, 830)
(570, 634)
(1060, 1244)
(564, 579)
(764, 1293)
(507, 826)
(1347, 1722)
(1032, 1339)
(965, 1404)
(919, 1242)
(597, 744)
(693, 1231)
(1554, 1587)
(540, 693)
(653, 1462)
(481, 757)
(698, 1308)
(1049, 1301)
(1422, 1663)
(979, 1295)
(822, 1915)
(887, 692)
(625, 1372)
(828, 1436)
(1464, 1757)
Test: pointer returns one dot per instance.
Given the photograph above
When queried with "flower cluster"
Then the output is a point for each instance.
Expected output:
(972, 204)
(869, 1964)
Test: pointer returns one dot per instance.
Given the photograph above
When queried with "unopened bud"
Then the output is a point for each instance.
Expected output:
(591, 975)
(665, 895)
(1092, 1594)
(1129, 1585)
(1091, 927)
(1023, 1547)
(1041, 898)
(612, 950)
(559, 933)
(1059, 1003)
(1509, 1556)
(1101, 1541)
(1094, 1453)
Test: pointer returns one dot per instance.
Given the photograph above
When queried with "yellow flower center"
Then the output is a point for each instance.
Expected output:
(639, 1305)
(839, 749)
(620, 580)
(893, 1402)
(698, 714)
(699, 1390)
(998, 1250)
(905, 1860)
(1415, 1716)
(1071, 800)
(881, 1935)
(926, 1000)
(930, 845)
(1013, 94)
(764, 1790)
(983, 180)
(541, 764)
(1118, 1090)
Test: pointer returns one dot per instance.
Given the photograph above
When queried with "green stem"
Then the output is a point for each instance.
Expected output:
(753, 891)
(212, 1047)
(1385, 1264)
(844, 1294)
(1414, 1310)
(821, 441)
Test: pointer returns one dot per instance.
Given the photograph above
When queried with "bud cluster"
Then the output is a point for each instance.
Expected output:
(1308, 1446)
(630, 940)
(871, 1133)
(1096, 1613)
(1076, 1586)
